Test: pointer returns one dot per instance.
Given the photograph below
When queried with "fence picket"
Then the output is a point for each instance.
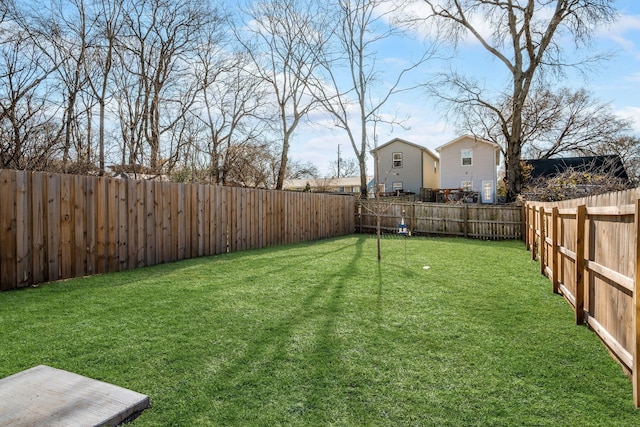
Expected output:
(79, 226)
(635, 341)
(8, 273)
(38, 196)
(56, 226)
(478, 222)
(23, 229)
(53, 226)
(594, 262)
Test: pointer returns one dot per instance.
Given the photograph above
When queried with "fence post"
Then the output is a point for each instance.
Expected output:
(466, 220)
(581, 216)
(543, 238)
(413, 216)
(636, 313)
(525, 227)
(524, 224)
(532, 238)
(554, 250)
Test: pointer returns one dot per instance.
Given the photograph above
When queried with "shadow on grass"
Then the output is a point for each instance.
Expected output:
(249, 378)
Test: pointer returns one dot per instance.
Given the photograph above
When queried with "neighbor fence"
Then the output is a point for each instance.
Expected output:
(56, 226)
(436, 219)
(589, 250)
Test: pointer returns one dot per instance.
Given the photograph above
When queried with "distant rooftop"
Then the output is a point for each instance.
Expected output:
(551, 167)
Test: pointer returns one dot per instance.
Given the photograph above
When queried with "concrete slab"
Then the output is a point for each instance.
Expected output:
(46, 396)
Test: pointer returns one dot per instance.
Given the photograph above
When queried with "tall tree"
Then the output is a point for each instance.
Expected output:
(156, 82)
(554, 123)
(29, 137)
(68, 31)
(231, 106)
(529, 37)
(283, 38)
(110, 15)
(353, 73)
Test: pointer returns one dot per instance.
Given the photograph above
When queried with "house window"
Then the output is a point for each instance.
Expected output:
(355, 189)
(466, 185)
(397, 160)
(487, 191)
(467, 156)
(397, 186)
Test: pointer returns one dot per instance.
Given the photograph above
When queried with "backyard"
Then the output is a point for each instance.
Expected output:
(321, 334)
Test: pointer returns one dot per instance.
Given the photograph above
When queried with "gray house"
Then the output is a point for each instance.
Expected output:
(403, 166)
(470, 163)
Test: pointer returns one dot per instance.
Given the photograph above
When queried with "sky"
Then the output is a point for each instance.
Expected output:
(615, 81)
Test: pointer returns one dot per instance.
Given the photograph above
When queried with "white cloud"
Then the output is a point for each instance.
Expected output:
(633, 77)
(624, 32)
(631, 113)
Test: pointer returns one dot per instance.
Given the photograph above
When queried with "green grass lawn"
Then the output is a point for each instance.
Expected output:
(321, 334)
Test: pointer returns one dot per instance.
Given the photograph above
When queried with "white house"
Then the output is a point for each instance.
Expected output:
(470, 163)
(401, 165)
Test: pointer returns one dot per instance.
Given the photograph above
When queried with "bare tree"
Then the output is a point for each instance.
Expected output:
(346, 167)
(65, 27)
(625, 146)
(562, 122)
(527, 38)
(29, 137)
(98, 68)
(284, 36)
(231, 106)
(155, 79)
(352, 74)
(298, 170)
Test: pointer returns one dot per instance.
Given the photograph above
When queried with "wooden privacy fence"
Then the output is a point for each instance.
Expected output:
(437, 219)
(589, 249)
(56, 226)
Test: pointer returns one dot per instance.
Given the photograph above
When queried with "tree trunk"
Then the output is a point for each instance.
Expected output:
(284, 158)
(513, 168)
(364, 193)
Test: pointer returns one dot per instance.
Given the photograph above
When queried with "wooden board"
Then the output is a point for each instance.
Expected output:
(56, 226)
(45, 396)
(8, 273)
(53, 225)
(40, 270)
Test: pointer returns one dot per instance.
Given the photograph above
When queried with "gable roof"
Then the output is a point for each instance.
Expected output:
(403, 141)
(603, 164)
(475, 138)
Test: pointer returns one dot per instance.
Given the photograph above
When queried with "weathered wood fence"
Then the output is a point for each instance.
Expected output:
(589, 249)
(56, 226)
(437, 219)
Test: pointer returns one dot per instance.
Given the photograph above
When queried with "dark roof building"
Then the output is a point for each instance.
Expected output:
(591, 164)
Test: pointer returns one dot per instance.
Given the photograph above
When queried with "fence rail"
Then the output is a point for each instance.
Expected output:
(56, 226)
(589, 250)
(436, 219)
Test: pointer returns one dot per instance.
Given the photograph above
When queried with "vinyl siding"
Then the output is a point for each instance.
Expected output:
(452, 173)
(411, 174)
(430, 171)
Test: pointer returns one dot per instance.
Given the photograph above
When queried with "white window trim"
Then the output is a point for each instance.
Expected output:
(467, 185)
(398, 159)
(468, 151)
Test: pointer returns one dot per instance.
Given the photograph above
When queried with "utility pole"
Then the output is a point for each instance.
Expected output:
(338, 160)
